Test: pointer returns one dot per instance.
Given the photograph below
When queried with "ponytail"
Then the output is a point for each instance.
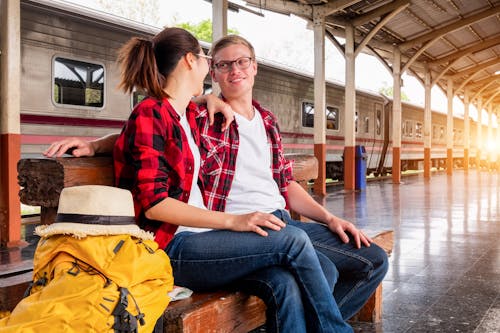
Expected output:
(138, 68)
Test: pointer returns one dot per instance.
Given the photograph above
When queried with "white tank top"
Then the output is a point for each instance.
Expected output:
(195, 196)
(253, 188)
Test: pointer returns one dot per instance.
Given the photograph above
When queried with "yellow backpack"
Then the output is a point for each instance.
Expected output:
(115, 283)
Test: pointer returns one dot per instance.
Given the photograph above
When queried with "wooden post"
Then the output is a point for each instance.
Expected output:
(350, 110)
(319, 103)
(427, 124)
(396, 118)
(449, 128)
(10, 126)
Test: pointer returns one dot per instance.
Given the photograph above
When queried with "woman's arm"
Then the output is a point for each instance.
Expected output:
(78, 147)
(214, 105)
(177, 212)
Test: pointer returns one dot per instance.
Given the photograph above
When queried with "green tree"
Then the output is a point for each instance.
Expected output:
(389, 92)
(202, 30)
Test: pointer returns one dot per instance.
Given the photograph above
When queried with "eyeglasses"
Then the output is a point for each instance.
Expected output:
(209, 58)
(225, 66)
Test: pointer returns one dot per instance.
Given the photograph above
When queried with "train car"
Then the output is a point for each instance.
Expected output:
(69, 88)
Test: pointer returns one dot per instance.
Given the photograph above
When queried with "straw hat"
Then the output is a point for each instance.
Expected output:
(94, 210)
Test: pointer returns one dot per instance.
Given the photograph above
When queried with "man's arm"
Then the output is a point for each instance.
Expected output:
(301, 202)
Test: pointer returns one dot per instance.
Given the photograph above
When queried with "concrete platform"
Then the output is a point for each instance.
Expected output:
(444, 271)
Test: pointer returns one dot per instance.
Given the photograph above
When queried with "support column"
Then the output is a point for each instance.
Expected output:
(10, 127)
(479, 139)
(427, 124)
(319, 104)
(350, 110)
(396, 117)
(489, 138)
(466, 130)
(449, 128)
(219, 29)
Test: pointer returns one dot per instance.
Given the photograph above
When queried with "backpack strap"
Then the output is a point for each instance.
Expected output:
(125, 322)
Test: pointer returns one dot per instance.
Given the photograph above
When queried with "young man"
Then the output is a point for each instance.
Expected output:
(244, 170)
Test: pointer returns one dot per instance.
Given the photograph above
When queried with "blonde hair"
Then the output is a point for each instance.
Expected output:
(231, 40)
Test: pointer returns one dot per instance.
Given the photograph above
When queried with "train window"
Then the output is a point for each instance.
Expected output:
(207, 88)
(367, 124)
(441, 133)
(378, 120)
(331, 114)
(403, 128)
(409, 128)
(356, 122)
(418, 130)
(78, 83)
(434, 132)
(332, 118)
(307, 114)
(137, 97)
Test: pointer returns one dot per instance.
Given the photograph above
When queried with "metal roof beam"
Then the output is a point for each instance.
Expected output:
(335, 6)
(475, 68)
(391, 7)
(482, 45)
(492, 97)
(483, 88)
(282, 7)
(301, 9)
(438, 33)
(379, 26)
(482, 82)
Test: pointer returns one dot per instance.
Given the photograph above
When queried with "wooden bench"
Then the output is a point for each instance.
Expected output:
(42, 180)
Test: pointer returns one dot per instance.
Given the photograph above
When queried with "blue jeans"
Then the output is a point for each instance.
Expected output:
(220, 258)
(358, 271)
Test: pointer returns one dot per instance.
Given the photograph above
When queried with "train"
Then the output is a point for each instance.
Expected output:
(69, 88)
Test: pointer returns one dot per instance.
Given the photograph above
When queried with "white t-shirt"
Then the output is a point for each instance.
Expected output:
(253, 188)
(195, 196)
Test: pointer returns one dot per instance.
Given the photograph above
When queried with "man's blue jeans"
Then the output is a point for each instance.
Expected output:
(219, 258)
(353, 275)
(358, 271)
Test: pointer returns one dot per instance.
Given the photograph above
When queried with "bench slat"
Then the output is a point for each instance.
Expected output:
(221, 311)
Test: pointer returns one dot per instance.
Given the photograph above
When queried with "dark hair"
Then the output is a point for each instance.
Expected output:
(231, 40)
(146, 64)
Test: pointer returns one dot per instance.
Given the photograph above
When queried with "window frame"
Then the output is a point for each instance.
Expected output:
(76, 106)
(329, 107)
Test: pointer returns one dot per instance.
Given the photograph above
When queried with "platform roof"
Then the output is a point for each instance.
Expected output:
(455, 39)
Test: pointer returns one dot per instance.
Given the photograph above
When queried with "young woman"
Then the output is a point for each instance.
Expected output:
(157, 158)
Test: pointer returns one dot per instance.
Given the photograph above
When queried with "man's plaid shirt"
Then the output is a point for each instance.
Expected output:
(219, 150)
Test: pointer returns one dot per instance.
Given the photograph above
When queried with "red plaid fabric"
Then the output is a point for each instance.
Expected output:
(152, 159)
(218, 154)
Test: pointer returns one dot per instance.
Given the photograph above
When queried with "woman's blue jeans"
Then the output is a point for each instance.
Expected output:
(221, 258)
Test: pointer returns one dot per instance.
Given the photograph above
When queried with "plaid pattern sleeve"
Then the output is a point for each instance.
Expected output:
(219, 150)
(152, 159)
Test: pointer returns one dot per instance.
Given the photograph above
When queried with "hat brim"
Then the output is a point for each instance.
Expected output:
(78, 230)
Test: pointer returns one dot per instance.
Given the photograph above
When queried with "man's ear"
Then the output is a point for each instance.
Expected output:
(212, 75)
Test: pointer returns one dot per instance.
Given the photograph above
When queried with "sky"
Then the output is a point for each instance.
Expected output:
(284, 40)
